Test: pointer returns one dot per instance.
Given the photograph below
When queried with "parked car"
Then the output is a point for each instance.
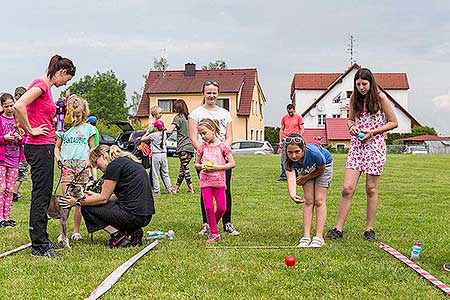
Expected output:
(416, 149)
(171, 144)
(106, 139)
(129, 138)
(251, 147)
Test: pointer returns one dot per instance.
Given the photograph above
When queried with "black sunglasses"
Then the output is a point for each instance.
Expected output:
(295, 139)
(209, 82)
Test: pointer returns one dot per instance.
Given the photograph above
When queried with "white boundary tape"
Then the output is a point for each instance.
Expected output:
(3, 255)
(439, 284)
(117, 273)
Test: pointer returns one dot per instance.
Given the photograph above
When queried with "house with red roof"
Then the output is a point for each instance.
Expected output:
(240, 93)
(323, 101)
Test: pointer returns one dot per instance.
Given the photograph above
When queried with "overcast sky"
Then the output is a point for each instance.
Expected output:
(279, 38)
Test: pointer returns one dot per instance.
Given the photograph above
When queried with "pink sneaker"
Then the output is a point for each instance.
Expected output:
(213, 238)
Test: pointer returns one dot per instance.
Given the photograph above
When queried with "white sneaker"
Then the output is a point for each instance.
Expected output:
(205, 229)
(229, 228)
(317, 242)
(304, 242)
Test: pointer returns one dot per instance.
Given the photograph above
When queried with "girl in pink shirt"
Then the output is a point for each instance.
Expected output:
(10, 153)
(213, 158)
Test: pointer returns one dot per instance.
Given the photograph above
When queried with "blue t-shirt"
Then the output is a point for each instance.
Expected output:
(315, 157)
(75, 142)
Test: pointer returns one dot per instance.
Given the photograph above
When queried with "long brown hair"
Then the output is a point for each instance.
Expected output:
(181, 108)
(373, 104)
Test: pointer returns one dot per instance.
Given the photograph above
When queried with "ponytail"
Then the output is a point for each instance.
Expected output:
(112, 151)
(57, 63)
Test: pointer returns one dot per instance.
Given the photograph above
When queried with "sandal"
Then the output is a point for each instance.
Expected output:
(317, 242)
(304, 242)
(77, 237)
(334, 234)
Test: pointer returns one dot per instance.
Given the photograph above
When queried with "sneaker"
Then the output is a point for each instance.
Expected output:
(76, 236)
(56, 246)
(317, 242)
(136, 237)
(11, 223)
(119, 240)
(334, 234)
(15, 197)
(19, 196)
(229, 228)
(369, 235)
(7, 223)
(304, 242)
(446, 267)
(282, 179)
(213, 238)
(50, 253)
(205, 229)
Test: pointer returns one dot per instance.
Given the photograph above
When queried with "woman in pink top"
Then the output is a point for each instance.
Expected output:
(213, 158)
(35, 110)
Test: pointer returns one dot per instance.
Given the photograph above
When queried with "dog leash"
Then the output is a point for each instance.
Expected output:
(73, 180)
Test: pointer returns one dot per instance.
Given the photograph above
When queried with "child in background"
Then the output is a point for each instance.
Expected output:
(159, 157)
(155, 115)
(23, 165)
(11, 152)
(310, 166)
(72, 153)
(213, 158)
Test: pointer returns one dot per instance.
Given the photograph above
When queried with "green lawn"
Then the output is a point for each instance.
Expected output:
(414, 204)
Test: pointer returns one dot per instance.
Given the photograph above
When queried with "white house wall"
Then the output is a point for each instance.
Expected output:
(306, 97)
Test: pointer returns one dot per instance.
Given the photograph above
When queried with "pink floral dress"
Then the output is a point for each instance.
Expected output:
(369, 156)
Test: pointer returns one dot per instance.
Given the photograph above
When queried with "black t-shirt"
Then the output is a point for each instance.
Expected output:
(132, 186)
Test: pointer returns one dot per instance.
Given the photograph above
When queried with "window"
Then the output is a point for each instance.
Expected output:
(247, 145)
(257, 134)
(166, 105)
(224, 103)
(235, 145)
(340, 147)
(321, 120)
(251, 134)
(337, 99)
(337, 116)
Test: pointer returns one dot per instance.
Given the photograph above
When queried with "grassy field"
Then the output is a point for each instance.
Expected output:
(414, 205)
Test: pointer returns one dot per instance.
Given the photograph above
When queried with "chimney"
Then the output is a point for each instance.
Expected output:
(189, 69)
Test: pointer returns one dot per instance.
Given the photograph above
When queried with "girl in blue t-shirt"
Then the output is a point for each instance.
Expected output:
(310, 166)
(72, 154)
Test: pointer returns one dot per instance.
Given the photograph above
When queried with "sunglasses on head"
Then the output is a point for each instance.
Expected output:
(209, 82)
(295, 139)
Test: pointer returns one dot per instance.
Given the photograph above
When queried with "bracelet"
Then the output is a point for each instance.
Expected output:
(350, 127)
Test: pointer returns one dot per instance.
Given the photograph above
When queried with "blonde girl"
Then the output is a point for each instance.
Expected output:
(72, 153)
(213, 159)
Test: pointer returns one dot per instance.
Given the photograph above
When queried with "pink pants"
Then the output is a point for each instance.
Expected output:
(8, 178)
(209, 193)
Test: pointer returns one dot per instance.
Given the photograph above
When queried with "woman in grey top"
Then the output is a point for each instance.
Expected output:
(185, 150)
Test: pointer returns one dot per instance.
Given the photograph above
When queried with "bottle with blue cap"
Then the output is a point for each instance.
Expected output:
(416, 249)
(361, 135)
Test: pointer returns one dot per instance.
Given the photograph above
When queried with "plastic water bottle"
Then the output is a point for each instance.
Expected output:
(171, 234)
(416, 249)
(156, 234)
(361, 135)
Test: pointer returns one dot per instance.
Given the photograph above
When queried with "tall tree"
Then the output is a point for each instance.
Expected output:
(216, 65)
(105, 94)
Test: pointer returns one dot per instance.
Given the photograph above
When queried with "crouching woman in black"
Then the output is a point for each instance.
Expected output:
(125, 204)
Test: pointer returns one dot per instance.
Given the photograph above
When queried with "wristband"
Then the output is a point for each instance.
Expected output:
(350, 127)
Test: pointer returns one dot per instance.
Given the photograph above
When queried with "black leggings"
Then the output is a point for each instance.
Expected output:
(226, 218)
(185, 159)
(41, 160)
